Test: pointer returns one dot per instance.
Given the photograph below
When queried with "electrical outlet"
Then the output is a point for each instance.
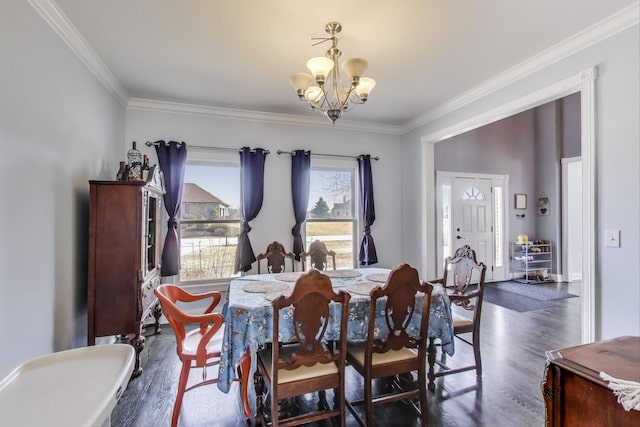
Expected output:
(612, 238)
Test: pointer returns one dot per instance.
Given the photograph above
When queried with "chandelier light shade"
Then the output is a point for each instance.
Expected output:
(324, 89)
(320, 67)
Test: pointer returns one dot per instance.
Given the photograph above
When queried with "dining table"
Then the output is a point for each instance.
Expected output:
(249, 318)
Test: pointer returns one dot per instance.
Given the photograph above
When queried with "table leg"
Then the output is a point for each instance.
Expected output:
(157, 313)
(431, 357)
(404, 382)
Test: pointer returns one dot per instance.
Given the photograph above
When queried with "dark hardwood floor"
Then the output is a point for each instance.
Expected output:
(513, 348)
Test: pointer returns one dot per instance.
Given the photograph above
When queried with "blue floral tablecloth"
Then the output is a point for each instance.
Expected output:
(249, 320)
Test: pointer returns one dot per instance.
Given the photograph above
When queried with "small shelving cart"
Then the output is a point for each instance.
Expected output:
(533, 260)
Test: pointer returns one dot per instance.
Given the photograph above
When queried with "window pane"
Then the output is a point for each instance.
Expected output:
(446, 228)
(209, 222)
(473, 193)
(331, 194)
(211, 192)
(337, 235)
(497, 225)
(208, 250)
(331, 212)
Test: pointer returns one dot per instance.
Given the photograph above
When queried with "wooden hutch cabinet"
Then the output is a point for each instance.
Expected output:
(575, 395)
(124, 258)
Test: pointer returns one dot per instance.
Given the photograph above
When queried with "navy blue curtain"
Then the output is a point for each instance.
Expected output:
(172, 157)
(300, 178)
(368, 253)
(251, 189)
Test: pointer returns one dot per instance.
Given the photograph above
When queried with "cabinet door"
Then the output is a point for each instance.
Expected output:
(117, 258)
(151, 238)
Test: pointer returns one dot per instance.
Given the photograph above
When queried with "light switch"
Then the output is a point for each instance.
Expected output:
(612, 238)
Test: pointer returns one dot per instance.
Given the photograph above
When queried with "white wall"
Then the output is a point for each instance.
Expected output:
(617, 169)
(548, 145)
(276, 217)
(59, 128)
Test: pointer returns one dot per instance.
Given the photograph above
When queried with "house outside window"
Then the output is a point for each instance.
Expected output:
(209, 217)
(331, 213)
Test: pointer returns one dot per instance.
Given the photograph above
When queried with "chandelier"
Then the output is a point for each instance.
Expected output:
(330, 95)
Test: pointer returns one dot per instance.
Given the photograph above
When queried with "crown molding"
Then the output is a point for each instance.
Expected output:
(257, 116)
(52, 14)
(526, 102)
(619, 21)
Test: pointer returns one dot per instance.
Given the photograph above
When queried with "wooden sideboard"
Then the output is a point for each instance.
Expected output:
(124, 258)
(575, 395)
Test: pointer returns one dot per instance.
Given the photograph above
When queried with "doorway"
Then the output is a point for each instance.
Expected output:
(584, 83)
(471, 211)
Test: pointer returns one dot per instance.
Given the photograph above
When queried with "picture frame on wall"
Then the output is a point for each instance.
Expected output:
(520, 201)
(543, 206)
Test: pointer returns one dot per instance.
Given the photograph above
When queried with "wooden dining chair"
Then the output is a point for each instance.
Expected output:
(199, 347)
(402, 350)
(318, 254)
(310, 364)
(276, 256)
(463, 278)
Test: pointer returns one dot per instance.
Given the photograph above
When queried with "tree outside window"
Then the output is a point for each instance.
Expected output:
(331, 212)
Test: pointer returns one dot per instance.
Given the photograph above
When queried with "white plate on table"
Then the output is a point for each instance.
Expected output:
(288, 277)
(342, 274)
(362, 288)
(378, 277)
(264, 287)
(270, 296)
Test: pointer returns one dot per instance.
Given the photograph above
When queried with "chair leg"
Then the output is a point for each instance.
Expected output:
(182, 385)
(258, 383)
(424, 409)
(323, 405)
(275, 410)
(243, 374)
(476, 353)
(431, 357)
(338, 404)
(367, 403)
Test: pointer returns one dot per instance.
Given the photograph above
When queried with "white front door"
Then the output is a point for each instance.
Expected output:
(473, 218)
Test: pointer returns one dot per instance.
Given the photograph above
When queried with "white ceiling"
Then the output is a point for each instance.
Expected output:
(239, 53)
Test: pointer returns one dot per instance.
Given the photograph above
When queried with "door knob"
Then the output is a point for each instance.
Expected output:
(459, 237)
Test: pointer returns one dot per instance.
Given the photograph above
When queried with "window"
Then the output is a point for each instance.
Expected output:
(331, 215)
(473, 193)
(209, 217)
(446, 223)
(498, 221)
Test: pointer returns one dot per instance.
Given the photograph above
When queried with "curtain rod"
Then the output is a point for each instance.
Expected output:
(149, 144)
(326, 155)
